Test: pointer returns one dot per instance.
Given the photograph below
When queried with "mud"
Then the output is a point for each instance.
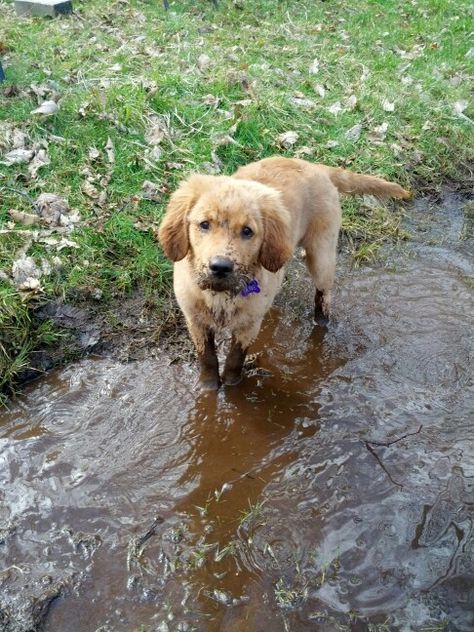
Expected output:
(332, 490)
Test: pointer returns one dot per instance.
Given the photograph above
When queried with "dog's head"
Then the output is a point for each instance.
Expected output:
(228, 228)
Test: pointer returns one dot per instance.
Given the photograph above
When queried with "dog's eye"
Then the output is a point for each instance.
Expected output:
(204, 225)
(246, 232)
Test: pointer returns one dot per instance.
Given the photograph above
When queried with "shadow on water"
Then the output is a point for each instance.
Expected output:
(332, 489)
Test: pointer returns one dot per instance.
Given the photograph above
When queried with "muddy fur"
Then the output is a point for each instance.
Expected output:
(252, 222)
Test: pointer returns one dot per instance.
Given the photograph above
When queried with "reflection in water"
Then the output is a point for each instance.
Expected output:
(332, 489)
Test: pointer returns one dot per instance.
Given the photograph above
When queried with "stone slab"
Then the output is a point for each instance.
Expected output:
(50, 8)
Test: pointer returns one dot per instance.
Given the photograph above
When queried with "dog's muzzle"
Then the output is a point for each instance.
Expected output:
(220, 276)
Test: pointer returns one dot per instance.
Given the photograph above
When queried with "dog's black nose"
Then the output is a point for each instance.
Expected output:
(221, 266)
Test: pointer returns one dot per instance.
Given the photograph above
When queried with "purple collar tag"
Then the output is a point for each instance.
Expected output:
(251, 287)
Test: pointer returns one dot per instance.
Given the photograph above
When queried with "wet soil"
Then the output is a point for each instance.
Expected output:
(332, 490)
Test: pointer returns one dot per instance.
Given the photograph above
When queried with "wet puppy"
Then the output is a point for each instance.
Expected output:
(230, 238)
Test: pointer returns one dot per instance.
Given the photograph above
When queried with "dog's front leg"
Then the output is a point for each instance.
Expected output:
(206, 351)
(234, 363)
(241, 341)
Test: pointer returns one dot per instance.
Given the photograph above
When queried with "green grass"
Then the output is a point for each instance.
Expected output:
(115, 66)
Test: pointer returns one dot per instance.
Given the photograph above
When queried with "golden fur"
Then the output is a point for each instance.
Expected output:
(222, 232)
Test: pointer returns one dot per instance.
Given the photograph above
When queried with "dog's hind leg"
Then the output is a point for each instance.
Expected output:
(320, 244)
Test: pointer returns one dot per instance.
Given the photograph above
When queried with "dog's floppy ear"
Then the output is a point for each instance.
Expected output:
(173, 232)
(276, 247)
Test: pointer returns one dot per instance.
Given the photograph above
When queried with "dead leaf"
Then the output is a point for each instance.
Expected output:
(302, 102)
(460, 106)
(304, 151)
(41, 159)
(320, 89)
(287, 139)
(351, 102)
(157, 130)
(93, 154)
(110, 150)
(30, 285)
(335, 108)
(19, 139)
(353, 134)
(223, 139)
(217, 162)
(314, 68)
(377, 135)
(151, 191)
(203, 62)
(25, 269)
(51, 208)
(23, 218)
(388, 106)
(153, 154)
(211, 100)
(46, 108)
(18, 156)
(89, 189)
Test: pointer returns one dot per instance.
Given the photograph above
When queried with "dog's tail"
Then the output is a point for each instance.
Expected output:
(354, 183)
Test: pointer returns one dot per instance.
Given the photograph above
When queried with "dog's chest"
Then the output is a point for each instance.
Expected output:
(223, 309)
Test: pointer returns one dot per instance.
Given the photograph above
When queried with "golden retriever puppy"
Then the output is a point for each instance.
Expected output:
(230, 237)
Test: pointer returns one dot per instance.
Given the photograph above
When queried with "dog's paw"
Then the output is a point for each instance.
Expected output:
(231, 378)
(321, 321)
(209, 383)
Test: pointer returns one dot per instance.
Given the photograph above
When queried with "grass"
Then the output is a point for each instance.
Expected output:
(218, 87)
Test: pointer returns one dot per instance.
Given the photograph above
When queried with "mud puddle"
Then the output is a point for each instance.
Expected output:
(332, 490)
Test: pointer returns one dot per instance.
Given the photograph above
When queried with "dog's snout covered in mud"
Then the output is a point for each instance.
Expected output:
(230, 238)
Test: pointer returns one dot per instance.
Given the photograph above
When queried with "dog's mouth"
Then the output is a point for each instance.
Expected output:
(232, 283)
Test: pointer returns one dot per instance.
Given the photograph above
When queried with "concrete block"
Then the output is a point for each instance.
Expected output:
(49, 8)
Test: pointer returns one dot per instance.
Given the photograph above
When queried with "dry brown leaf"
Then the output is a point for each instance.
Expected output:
(320, 89)
(151, 191)
(351, 102)
(211, 100)
(203, 62)
(18, 156)
(388, 106)
(335, 108)
(353, 134)
(41, 159)
(51, 208)
(93, 154)
(89, 189)
(314, 68)
(110, 150)
(25, 269)
(28, 219)
(287, 139)
(302, 102)
(46, 108)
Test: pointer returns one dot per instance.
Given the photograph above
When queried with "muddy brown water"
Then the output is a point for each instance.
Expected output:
(332, 490)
